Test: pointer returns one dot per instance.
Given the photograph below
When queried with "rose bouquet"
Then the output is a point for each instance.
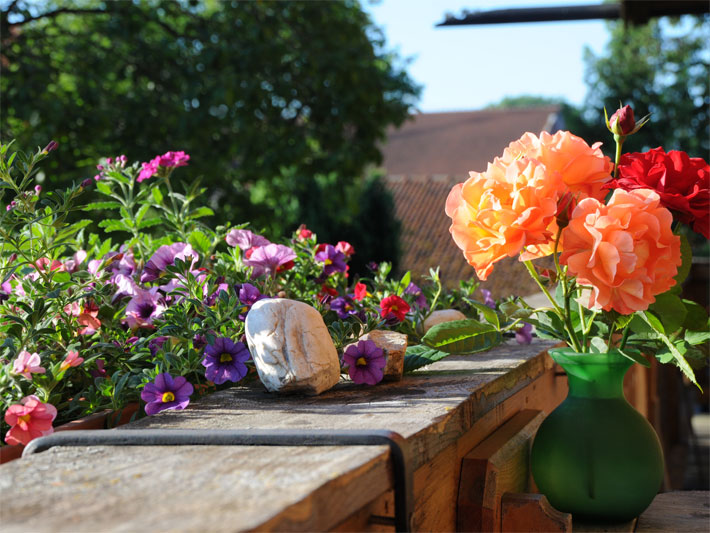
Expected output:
(613, 230)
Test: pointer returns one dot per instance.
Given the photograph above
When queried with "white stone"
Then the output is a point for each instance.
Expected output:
(394, 346)
(442, 315)
(291, 347)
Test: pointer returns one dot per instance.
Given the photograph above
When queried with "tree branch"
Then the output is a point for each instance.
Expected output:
(57, 12)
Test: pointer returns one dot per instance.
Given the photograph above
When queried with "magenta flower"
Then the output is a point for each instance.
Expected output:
(343, 306)
(269, 259)
(125, 286)
(148, 171)
(366, 362)
(333, 260)
(248, 296)
(224, 361)
(173, 159)
(27, 364)
(101, 370)
(144, 307)
(420, 298)
(524, 334)
(166, 393)
(245, 239)
(165, 256)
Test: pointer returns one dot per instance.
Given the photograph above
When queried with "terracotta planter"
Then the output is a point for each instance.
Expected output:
(104, 420)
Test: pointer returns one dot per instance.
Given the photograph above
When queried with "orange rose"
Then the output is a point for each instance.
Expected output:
(624, 250)
(583, 169)
(502, 211)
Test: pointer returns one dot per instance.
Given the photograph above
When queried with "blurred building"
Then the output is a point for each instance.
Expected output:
(427, 156)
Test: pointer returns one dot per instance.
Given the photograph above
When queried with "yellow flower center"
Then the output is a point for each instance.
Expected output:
(168, 397)
(24, 418)
(361, 361)
(225, 358)
(328, 262)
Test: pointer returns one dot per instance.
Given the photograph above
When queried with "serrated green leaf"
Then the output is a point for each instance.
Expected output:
(635, 356)
(652, 321)
(141, 213)
(420, 355)
(150, 222)
(112, 224)
(463, 336)
(103, 188)
(199, 241)
(101, 205)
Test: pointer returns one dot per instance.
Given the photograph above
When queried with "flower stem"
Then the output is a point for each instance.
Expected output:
(533, 273)
(619, 140)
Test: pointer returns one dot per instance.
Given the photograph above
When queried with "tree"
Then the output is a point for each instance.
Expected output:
(524, 101)
(660, 68)
(257, 92)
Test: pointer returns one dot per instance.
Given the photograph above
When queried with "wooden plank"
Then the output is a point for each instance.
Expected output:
(444, 410)
(585, 526)
(686, 511)
(498, 465)
(532, 513)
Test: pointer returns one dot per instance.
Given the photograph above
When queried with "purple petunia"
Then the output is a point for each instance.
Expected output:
(420, 298)
(166, 393)
(269, 259)
(165, 256)
(366, 362)
(144, 307)
(487, 300)
(248, 296)
(224, 361)
(333, 260)
(343, 306)
(524, 334)
(245, 239)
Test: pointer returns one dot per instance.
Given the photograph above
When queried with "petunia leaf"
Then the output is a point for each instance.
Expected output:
(463, 336)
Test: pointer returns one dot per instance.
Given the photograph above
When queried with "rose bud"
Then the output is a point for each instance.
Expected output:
(622, 122)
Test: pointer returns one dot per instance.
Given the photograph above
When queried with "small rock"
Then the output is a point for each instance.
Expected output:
(394, 345)
(291, 347)
(442, 315)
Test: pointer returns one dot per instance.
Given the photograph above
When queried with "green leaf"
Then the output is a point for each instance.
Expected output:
(157, 195)
(404, 283)
(61, 277)
(696, 318)
(149, 222)
(686, 253)
(112, 224)
(420, 355)
(489, 314)
(199, 241)
(599, 345)
(463, 336)
(200, 212)
(671, 310)
(697, 337)
(141, 213)
(677, 356)
(513, 311)
(103, 188)
(635, 356)
(101, 205)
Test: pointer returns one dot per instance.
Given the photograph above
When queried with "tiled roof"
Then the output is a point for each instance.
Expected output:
(428, 156)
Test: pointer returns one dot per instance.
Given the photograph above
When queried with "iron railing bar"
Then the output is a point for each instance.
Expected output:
(403, 492)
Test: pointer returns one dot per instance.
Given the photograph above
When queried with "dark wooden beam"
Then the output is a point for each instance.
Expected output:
(631, 11)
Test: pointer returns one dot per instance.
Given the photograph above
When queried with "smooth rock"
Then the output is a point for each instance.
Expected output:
(291, 347)
(442, 315)
(394, 345)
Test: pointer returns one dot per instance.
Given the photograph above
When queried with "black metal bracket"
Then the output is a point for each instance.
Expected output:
(403, 491)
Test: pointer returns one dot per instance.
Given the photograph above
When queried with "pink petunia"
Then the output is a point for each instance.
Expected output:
(28, 420)
(72, 359)
(27, 364)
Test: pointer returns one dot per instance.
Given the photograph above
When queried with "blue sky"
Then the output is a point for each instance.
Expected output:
(467, 67)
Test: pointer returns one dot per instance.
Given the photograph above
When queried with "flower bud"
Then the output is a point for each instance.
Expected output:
(38, 189)
(86, 183)
(51, 146)
(622, 122)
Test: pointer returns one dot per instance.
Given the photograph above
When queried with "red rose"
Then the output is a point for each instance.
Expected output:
(682, 182)
(622, 122)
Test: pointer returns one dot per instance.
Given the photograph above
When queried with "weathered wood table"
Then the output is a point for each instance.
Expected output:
(443, 411)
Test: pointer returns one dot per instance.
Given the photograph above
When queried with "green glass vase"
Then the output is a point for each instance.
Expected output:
(595, 456)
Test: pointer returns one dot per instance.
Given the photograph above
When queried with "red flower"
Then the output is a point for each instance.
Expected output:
(394, 305)
(360, 291)
(304, 233)
(326, 293)
(622, 122)
(682, 182)
(345, 247)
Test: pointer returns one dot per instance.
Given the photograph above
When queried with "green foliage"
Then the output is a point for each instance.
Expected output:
(280, 104)
(463, 336)
(525, 101)
(660, 68)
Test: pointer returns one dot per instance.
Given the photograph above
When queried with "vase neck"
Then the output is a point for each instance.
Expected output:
(594, 375)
